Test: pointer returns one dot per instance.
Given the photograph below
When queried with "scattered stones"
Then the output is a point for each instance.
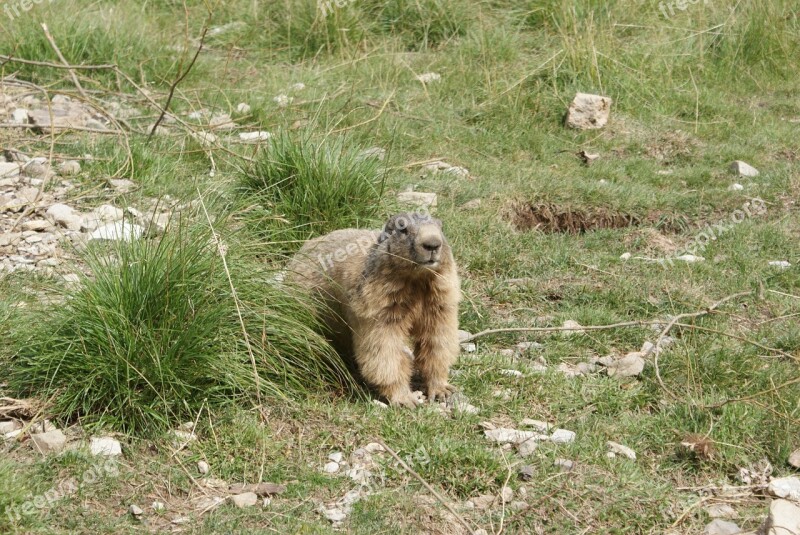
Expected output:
(69, 168)
(503, 435)
(721, 527)
(9, 170)
(182, 438)
(336, 456)
(780, 264)
(119, 231)
(588, 157)
(735, 187)
(221, 121)
(631, 365)
(511, 373)
(105, 446)
(565, 465)
(783, 519)
(469, 347)
(331, 467)
(588, 111)
(65, 216)
(252, 137)
(299, 86)
(135, 510)
(562, 436)
(785, 487)
(283, 100)
(158, 507)
(690, 258)
(19, 116)
(743, 169)
(438, 166)
(418, 198)
(794, 458)
(621, 449)
(121, 185)
(380, 404)
(506, 494)
(245, 499)
(260, 489)
(203, 467)
(527, 448)
(429, 77)
(482, 502)
(474, 204)
(721, 510)
(625, 257)
(243, 108)
(573, 327)
(540, 426)
(9, 426)
(205, 139)
(49, 442)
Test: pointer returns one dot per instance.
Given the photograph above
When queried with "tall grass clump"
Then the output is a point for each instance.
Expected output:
(421, 24)
(303, 188)
(154, 334)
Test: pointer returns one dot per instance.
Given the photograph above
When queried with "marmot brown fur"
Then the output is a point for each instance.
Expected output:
(385, 289)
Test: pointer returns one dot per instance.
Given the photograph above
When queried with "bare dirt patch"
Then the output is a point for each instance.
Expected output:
(552, 218)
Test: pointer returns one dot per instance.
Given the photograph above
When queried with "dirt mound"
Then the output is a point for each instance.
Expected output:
(552, 218)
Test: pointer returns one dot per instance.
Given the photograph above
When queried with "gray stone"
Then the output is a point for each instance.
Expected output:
(36, 225)
(49, 442)
(65, 216)
(743, 169)
(9, 169)
(588, 111)
(785, 487)
(630, 365)
(203, 467)
(565, 465)
(721, 527)
(621, 449)
(562, 436)
(122, 185)
(503, 435)
(506, 494)
(9, 426)
(418, 198)
(331, 467)
(721, 510)
(527, 448)
(105, 446)
(69, 168)
(783, 519)
(794, 458)
(245, 499)
(120, 230)
(135, 510)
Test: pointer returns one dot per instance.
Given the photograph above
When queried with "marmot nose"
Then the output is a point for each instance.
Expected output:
(432, 244)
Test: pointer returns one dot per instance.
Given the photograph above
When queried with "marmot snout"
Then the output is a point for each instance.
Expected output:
(388, 291)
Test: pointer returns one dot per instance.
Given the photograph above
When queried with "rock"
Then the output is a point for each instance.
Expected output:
(221, 121)
(721, 527)
(510, 353)
(565, 465)
(522, 347)
(721, 510)
(135, 510)
(785, 487)
(36, 225)
(625, 256)
(261, 489)
(9, 170)
(588, 157)
(105, 446)
(588, 111)
(783, 519)
(429, 77)
(331, 467)
(299, 86)
(334, 514)
(735, 187)
(205, 139)
(374, 447)
(107, 213)
(463, 335)
(65, 216)
(647, 348)
(255, 136)
(49, 442)
(621, 449)
(631, 365)
(794, 458)
(69, 168)
(121, 185)
(283, 100)
(469, 347)
(444, 167)
(506, 494)
(120, 230)
(9, 426)
(243, 108)
(781, 264)
(203, 467)
(418, 198)
(540, 426)
(158, 507)
(19, 116)
(380, 404)
(484, 501)
(743, 169)
(690, 258)
(526, 472)
(207, 503)
(245, 499)
(503, 435)
(336, 456)
(562, 436)
(527, 448)
(573, 328)
(511, 373)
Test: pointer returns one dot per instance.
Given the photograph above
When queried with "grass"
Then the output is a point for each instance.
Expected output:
(692, 91)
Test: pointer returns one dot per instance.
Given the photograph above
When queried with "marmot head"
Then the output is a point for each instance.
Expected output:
(412, 240)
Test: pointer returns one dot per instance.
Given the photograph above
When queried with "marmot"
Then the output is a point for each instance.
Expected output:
(384, 290)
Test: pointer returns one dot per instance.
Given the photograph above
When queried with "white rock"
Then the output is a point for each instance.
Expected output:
(206, 139)
(588, 111)
(735, 187)
(785, 487)
(69, 168)
(203, 467)
(19, 116)
(36, 225)
(334, 514)
(528, 447)
(283, 100)
(647, 348)
(794, 458)
(539, 425)
(565, 465)
(781, 264)
(506, 494)
(135, 510)
(336, 456)
(221, 121)
(255, 136)
(121, 185)
(380, 404)
(49, 442)
(630, 365)
(511, 373)
(374, 447)
(469, 347)
(9, 169)
(64, 215)
(621, 449)
(418, 198)
(503, 435)
(243, 108)
(245, 499)
(562, 436)
(573, 328)
(299, 86)
(721, 527)
(9, 426)
(721, 510)
(105, 446)
(625, 256)
(429, 77)
(463, 335)
(120, 230)
(783, 519)
(743, 169)
(331, 467)
(182, 438)
(158, 506)
(689, 258)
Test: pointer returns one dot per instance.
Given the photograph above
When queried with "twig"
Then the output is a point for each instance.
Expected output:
(12, 59)
(63, 128)
(425, 484)
(374, 118)
(64, 61)
(638, 323)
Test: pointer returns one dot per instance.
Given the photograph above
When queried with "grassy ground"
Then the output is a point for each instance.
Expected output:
(692, 91)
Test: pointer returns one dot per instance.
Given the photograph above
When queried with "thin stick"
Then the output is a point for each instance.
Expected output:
(221, 251)
(425, 484)
(12, 59)
(374, 118)
(64, 61)
(638, 323)
(63, 128)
